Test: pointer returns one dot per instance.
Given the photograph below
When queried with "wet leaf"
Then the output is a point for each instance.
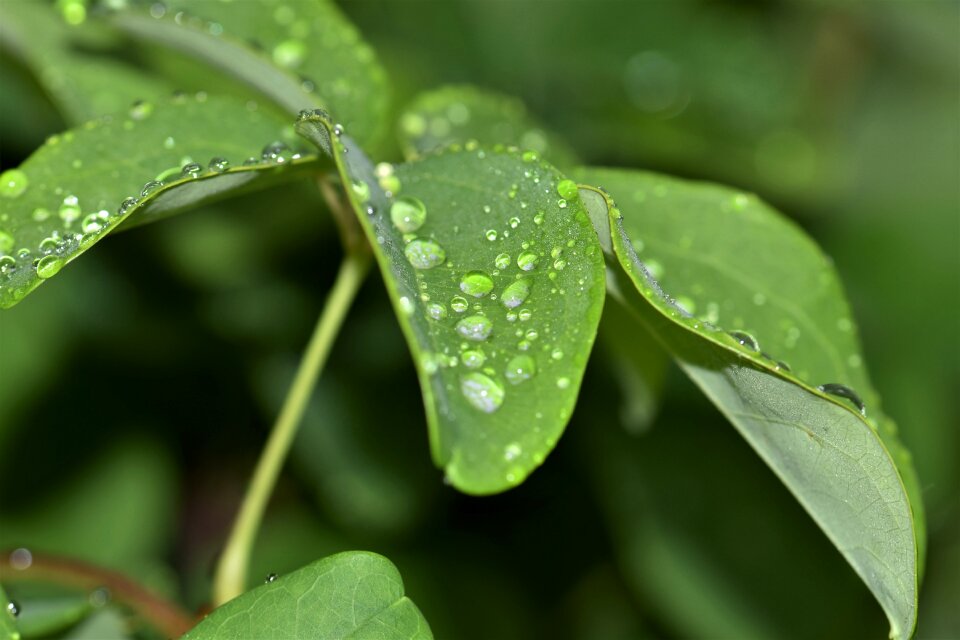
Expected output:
(300, 54)
(356, 594)
(41, 617)
(8, 618)
(703, 257)
(83, 183)
(497, 280)
(460, 113)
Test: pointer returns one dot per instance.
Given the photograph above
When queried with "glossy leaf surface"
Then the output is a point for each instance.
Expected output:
(497, 280)
(690, 248)
(356, 595)
(153, 160)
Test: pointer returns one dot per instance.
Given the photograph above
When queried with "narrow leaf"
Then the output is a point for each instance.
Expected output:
(301, 54)
(497, 280)
(702, 257)
(148, 162)
(461, 113)
(356, 595)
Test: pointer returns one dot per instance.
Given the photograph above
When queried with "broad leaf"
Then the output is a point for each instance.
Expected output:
(702, 257)
(299, 54)
(356, 595)
(77, 65)
(150, 161)
(461, 113)
(497, 280)
(8, 617)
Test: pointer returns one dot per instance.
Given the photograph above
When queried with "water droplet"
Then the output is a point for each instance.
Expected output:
(563, 383)
(491, 234)
(458, 304)
(169, 142)
(218, 165)
(140, 110)
(482, 392)
(190, 170)
(408, 214)
(530, 156)
(406, 305)
(270, 578)
(126, 205)
(21, 559)
(361, 189)
(95, 222)
(538, 219)
(515, 293)
(436, 311)
(424, 254)
(525, 314)
(477, 328)
(8, 264)
(502, 261)
(567, 189)
(150, 187)
(557, 354)
(41, 213)
(290, 53)
(528, 260)
(512, 451)
(844, 391)
(99, 597)
(520, 369)
(514, 222)
(13, 609)
(13, 183)
(559, 264)
(74, 12)
(48, 266)
(275, 152)
(746, 340)
(654, 267)
(476, 284)
(70, 209)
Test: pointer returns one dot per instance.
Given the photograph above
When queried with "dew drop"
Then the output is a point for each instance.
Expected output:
(516, 293)
(528, 260)
(95, 222)
(482, 392)
(270, 578)
(48, 266)
(567, 189)
(563, 383)
(520, 369)
(40, 214)
(473, 358)
(514, 222)
(70, 209)
(476, 328)
(458, 304)
(557, 354)
(408, 214)
(502, 261)
(525, 314)
(512, 451)
(13, 609)
(190, 170)
(436, 311)
(361, 189)
(746, 340)
(218, 165)
(126, 205)
(530, 156)
(476, 284)
(491, 234)
(8, 264)
(425, 254)
(406, 305)
(150, 187)
(538, 218)
(843, 391)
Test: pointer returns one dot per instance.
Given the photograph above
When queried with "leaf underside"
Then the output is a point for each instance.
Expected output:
(355, 594)
(498, 289)
(699, 257)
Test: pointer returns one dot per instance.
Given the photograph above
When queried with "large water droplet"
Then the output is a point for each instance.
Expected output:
(515, 293)
(95, 222)
(408, 214)
(190, 170)
(425, 254)
(476, 284)
(520, 368)
(48, 266)
(843, 391)
(482, 392)
(150, 187)
(567, 189)
(746, 340)
(218, 165)
(527, 260)
(476, 328)
(8, 264)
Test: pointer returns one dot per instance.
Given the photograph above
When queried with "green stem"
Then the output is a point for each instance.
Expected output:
(231, 576)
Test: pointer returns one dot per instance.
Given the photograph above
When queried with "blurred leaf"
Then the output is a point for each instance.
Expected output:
(355, 594)
(8, 617)
(105, 624)
(460, 113)
(301, 55)
(45, 616)
(489, 267)
(78, 65)
(830, 457)
(82, 184)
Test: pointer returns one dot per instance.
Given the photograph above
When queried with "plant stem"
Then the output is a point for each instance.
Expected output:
(231, 575)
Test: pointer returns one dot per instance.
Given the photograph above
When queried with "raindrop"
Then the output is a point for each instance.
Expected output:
(520, 369)
(491, 234)
(844, 391)
(528, 260)
(70, 209)
(746, 340)
(99, 597)
(436, 311)
(218, 165)
(150, 187)
(477, 328)
(425, 254)
(21, 559)
(270, 578)
(458, 304)
(40, 214)
(169, 142)
(361, 189)
(126, 205)
(408, 214)
(514, 222)
(538, 219)
(275, 152)
(190, 170)
(557, 354)
(8, 264)
(476, 284)
(473, 358)
(94, 222)
(530, 156)
(515, 293)
(140, 110)
(567, 189)
(502, 261)
(482, 392)
(525, 314)
(48, 266)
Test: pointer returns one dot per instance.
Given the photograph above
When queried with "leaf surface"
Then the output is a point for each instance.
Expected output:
(497, 281)
(702, 257)
(356, 595)
(83, 183)
(8, 620)
(299, 54)
(460, 113)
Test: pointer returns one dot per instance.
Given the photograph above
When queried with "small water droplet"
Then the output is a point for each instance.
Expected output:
(218, 165)
(99, 597)
(408, 214)
(275, 152)
(476, 284)
(270, 578)
(140, 110)
(530, 156)
(843, 391)
(502, 261)
(482, 392)
(491, 234)
(557, 354)
(473, 358)
(406, 305)
(13, 609)
(525, 315)
(563, 383)
(70, 209)
(169, 142)
(520, 369)
(746, 340)
(476, 328)
(40, 214)
(516, 293)
(95, 222)
(436, 311)
(8, 264)
(126, 205)
(567, 189)
(527, 260)
(458, 304)
(424, 254)
(150, 187)
(190, 170)
(538, 218)
(48, 266)
(512, 451)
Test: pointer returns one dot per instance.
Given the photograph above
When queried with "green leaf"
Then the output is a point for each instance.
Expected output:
(497, 281)
(460, 113)
(107, 623)
(8, 618)
(299, 54)
(76, 65)
(83, 183)
(45, 616)
(356, 595)
(701, 257)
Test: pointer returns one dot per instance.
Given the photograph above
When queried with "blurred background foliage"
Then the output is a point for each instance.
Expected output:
(136, 388)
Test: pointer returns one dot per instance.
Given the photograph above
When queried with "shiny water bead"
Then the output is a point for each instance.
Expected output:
(473, 358)
(140, 110)
(48, 266)
(477, 328)
(520, 368)
(218, 165)
(502, 261)
(567, 189)
(190, 170)
(476, 284)
(482, 392)
(527, 260)
(424, 254)
(70, 209)
(13, 182)
(515, 293)
(408, 214)
(436, 311)
(459, 304)
(150, 187)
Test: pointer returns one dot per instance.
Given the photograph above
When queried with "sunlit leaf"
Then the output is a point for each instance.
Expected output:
(145, 163)
(356, 595)
(299, 54)
(460, 113)
(497, 280)
(702, 257)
